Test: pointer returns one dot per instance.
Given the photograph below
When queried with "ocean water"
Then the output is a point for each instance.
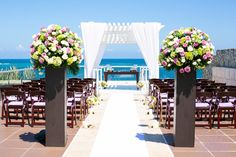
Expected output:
(25, 63)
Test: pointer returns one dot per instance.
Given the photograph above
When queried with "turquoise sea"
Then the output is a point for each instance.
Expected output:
(25, 63)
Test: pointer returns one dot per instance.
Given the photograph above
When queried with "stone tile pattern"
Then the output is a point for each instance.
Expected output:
(225, 58)
(208, 143)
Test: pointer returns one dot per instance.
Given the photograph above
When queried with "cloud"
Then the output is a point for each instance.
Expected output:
(20, 47)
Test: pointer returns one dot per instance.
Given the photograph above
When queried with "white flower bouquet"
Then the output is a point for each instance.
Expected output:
(92, 100)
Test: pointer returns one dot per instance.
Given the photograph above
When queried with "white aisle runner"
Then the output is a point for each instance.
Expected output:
(120, 125)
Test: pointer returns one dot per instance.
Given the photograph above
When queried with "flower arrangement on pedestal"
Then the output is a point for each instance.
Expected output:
(140, 85)
(56, 46)
(104, 84)
(186, 49)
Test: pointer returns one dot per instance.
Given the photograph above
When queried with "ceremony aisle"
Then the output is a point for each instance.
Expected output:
(119, 127)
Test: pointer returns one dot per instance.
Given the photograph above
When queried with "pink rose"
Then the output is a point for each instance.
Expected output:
(181, 70)
(188, 38)
(185, 45)
(176, 45)
(49, 31)
(204, 42)
(70, 41)
(205, 57)
(187, 69)
(32, 50)
(63, 29)
(46, 42)
(164, 63)
(68, 50)
(44, 54)
(58, 47)
(208, 54)
(41, 60)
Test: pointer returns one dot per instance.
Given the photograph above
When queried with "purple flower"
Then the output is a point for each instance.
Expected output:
(175, 60)
(181, 70)
(182, 54)
(176, 45)
(46, 35)
(187, 69)
(165, 51)
(164, 63)
(195, 44)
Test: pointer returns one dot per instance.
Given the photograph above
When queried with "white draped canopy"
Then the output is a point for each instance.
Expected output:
(97, 35)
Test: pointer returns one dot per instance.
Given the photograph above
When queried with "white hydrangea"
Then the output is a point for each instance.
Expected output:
(50, 60)
(190, 48)
(208, 62)
(194, 63)
(63, 42)
(65, 56)
(179, 49)
(74, 58)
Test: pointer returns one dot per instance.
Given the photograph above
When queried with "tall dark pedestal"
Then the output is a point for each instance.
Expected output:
(56, 107)
(184, 110)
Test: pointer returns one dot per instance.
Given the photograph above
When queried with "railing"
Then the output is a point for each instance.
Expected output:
(98, 73)
(16, 76)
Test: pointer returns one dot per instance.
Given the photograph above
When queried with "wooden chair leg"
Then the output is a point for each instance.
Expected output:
(219, 117)
(7, 116)
(210, 124)
(32, 117)
(23, 117)
(169, 115)
(234, 117)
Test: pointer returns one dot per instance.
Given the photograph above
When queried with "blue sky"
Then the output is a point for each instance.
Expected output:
(20, 19)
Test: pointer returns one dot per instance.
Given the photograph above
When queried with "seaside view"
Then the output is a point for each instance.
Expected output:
(118, 78)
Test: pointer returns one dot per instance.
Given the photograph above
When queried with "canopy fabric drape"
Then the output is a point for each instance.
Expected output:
(97, 35)
(92, 34)
(147, 38)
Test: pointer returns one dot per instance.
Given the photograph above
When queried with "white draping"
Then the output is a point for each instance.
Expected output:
(92, 34)
(147, 38)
